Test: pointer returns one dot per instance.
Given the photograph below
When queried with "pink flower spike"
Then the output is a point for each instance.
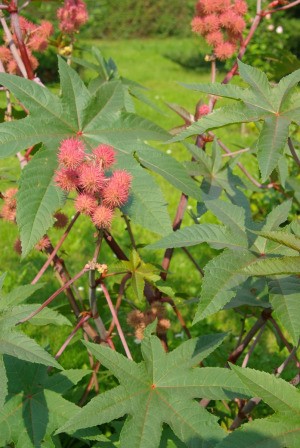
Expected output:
(66, 179)
(104, 155)
(85, 204)
(71, 152)
(91, 178)
(102, 217)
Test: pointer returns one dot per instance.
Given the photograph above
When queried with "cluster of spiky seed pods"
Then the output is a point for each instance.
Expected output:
(221, 23)
(98, 194)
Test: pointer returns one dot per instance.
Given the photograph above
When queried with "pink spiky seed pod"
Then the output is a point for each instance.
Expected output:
(8, 213)
(10, 197)
(240, 7)
(26, 26)
(66, 179)
(214, 6)
(46, 28)
(225, 50)
(43, 244)
(71, 153)
(211, 23)
(102, 217)
(116, 192)
(232, 21)
(197, 25)
(72, 16)
(104, 156)
(163, 326)
(85, 204)
(215, 38)
(5, 54)
(91, 178)
(38, 39)
(123, 178)
(61, 220)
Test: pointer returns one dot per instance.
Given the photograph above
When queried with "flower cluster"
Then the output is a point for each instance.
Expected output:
(139, 320)
(72, 16)
(35, 38)
(97, 194)
(221, 23)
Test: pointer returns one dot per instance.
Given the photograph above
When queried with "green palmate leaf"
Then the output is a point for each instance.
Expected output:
(38, 199)
(21, 346)
(153, 392)
(18, 295)
(281, 430)
(273, 432)
(285, 85)
(277, 216)
(75, 96)
(146, 204)
(216, 236)
(277, 393)
(140, 272)
(99, 117)
(284, 238)
(3, 379)
(21, 134)
(34, 407)
(190, 353)
(219, 118)
(218, 89)
(45, 317)
(284, 298)
(221, 277)
(13, 342)
(170, 169)
(258, 82)
(274, 266)
(231, 215)
(275, 106)
(271, 143)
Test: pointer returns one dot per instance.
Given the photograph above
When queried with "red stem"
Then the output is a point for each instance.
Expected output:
(117, 323)
(54, 295)
(56, 249)
(72, 334)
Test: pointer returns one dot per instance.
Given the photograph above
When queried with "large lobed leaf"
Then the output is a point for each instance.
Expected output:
(38, 198)
(15, 343)
(35, 408)
(284, 298)
(221, 277)
(261, 102)
(160, 389)
(281, 430)
(98, 117)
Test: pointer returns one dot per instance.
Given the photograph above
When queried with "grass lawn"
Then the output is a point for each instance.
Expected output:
(143, 61)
